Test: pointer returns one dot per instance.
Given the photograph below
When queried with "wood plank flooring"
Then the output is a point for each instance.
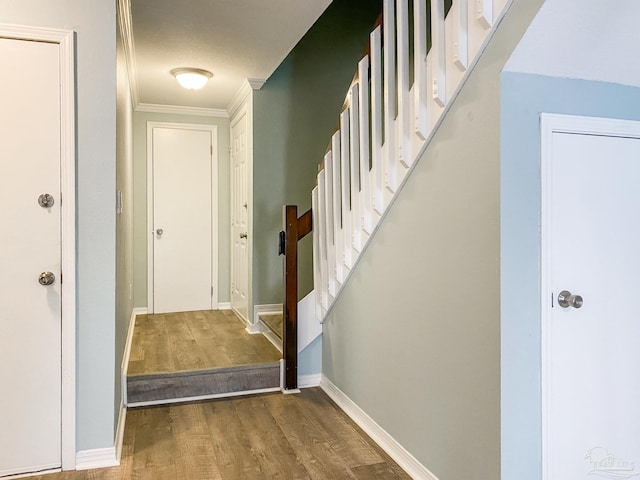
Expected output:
(188, 341)
(272, 436)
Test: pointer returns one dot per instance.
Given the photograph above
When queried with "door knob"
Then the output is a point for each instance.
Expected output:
(46, 278)
(566, 299)
(243, 235)
(46, 201)
(159, 232)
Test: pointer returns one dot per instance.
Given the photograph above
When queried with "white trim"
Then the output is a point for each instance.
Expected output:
(224, 305)
(202, 397)
(309, 381)
(213, 129)
(32, 474)
(65, 39)
(243, 108)
(269, 335)
(268, 308)
(119, 439)
(550, 124)
(390, 445)
(126, 30)
(259, 327)
(96, 458)
(124, 367)
(181, 110)
(243, 93)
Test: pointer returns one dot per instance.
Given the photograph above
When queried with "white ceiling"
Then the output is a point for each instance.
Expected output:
(233, 39)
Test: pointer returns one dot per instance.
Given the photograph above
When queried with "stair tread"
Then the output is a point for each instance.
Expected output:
(273, 321)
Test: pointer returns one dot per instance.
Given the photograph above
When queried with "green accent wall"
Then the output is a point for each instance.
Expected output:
(295, 114)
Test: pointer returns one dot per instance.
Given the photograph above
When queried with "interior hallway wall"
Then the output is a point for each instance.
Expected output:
(414, 338)
(295, 114)
(140, 120)
(558, 67)
(94, 22)
(124, 219)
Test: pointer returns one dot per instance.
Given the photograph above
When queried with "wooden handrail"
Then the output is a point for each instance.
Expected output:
(294, 229)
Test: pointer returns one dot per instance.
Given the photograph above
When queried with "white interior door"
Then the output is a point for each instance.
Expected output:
(591, 353)
(183, 236)
(30, 313)
(239, 217)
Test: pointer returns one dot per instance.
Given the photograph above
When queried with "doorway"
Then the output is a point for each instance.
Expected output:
(590, 280)
(37, 318)
(239, 216)
(182, 217)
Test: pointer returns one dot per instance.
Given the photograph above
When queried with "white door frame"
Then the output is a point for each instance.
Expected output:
(550, 124)
(214, 204)
(65, 40)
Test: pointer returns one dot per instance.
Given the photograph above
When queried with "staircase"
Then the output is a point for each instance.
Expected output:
(418, 58)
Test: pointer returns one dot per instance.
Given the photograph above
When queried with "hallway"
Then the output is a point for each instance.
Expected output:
(302, 436)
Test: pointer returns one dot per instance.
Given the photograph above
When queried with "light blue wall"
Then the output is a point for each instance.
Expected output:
(310, 359)
(94, 22)
(523, 98)
(124, 220)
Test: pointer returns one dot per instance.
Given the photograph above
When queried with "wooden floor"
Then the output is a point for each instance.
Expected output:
(188, 341)
(272, 436)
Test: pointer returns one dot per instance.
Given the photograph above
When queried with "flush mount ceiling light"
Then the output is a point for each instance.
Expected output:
(191, 78)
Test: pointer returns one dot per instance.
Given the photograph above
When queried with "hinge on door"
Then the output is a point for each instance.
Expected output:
(551, 299)
(282, 243)
(212, 291)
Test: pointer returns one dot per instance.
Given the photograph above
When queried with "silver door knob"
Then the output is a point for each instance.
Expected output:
(566, 300)
(46, 278)
(243, 235)
(46, 201)
(159, 232)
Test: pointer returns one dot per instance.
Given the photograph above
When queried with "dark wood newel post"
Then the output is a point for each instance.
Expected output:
(294, 229)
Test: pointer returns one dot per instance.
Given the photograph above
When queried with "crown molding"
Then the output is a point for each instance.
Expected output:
(181, 110)
(126, 29)
(248, 86)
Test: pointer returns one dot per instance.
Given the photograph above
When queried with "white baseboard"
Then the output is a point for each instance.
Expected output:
(309, 381)
(266, 308)
(96, 458)
(272, 337)
(390, 445)
(224, 305)
(255, 328)
(122, 418)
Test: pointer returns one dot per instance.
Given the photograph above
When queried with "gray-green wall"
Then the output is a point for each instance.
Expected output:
(414, 338)
(295, 114)
(94, 21)
(124, 220)
(140, 120)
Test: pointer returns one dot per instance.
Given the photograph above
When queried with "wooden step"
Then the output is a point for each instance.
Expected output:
(171, 387)
(274, 322)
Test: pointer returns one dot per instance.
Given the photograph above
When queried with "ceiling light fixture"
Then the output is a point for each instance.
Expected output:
(191, 78)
